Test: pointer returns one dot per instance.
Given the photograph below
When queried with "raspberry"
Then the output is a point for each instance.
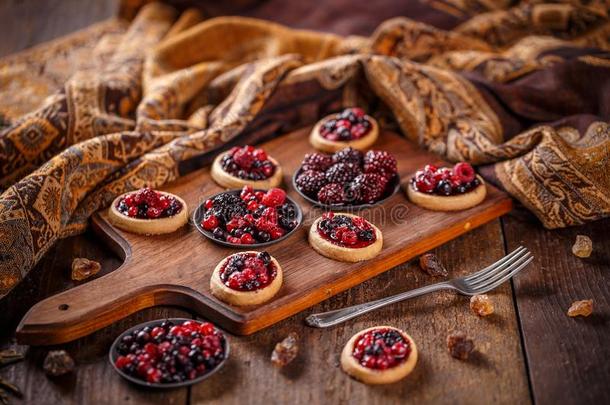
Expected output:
(348, 155)
(310, 182)
(331, 194)
(464, 172)
(380, 162)
(274, 197)
(244, 158)
(424, 182)
(342, 173)
(369, 187)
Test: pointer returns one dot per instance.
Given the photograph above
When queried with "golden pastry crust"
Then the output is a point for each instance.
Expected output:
(243, 298)
(324, 145)
(157, 226)
(344, 254)
(448, 203)
(227, 180)
(350, 365)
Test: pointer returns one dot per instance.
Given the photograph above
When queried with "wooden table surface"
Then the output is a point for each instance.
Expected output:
(528, 351)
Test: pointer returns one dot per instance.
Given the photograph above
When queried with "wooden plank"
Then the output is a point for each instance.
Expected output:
(496, 374)
(567, 357)
(93, 381)
(158, 272)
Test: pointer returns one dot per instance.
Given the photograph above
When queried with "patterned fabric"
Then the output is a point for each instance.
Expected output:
(145, 104)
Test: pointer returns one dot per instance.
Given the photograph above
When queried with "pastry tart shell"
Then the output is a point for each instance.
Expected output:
(243, 298)
(344, 254)
(448, 203)
(229, 181)
(351, 366)
(155, 226)
(322, 144)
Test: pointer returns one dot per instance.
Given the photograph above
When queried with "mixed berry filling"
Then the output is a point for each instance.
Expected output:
(347, 177)
(380, 349)
(249, 217)
(446, 181)
(171, 353)
(248, 163)
(351, 232)
(348, 125)
(147, 203)
(248, 271)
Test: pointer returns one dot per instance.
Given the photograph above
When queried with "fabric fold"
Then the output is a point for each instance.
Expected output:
(522, 90)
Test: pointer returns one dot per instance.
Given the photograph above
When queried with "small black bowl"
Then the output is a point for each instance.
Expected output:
(391, 189)
(198, 216)
(114, 353)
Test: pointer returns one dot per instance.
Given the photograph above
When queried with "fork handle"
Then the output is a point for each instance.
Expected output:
(330, 318)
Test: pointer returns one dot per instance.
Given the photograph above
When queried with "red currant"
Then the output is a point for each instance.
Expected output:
(210, 222)
(246, 239)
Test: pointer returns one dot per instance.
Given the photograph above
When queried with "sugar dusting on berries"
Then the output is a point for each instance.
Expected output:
(251, 217)
(381, 348)
(347, 177)
(446, 181)
(171, 352)
(248, 271)
(341, 230)
(147, 203)
(248, 163)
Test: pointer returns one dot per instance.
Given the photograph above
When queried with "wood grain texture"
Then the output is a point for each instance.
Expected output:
(157, 271)
(568, 357)
(495, 374)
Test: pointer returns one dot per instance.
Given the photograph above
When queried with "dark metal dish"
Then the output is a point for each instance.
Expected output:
(113, 354)
(198, 216)
(391, 189)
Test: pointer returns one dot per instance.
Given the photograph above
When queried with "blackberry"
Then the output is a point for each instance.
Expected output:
(369, 187)
(342, 173)
(310, 182)
(331, 194)
(226, 206)
(380, 162)
(316, 161)
(348, 155)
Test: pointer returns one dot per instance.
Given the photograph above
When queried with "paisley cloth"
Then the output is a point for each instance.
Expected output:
(521, 90)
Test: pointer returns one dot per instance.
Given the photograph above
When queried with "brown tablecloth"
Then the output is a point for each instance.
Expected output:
(520, 89)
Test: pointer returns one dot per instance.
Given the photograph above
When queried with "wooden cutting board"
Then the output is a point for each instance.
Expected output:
(175, 269)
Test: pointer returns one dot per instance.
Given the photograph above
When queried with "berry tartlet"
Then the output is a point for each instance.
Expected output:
(248, 217)
(246, 165)
(379, 355)
(447, 189)
(169, 353)
(347, 178)
(345, 237)
(148, 212)
(351, 127)
(247, 278)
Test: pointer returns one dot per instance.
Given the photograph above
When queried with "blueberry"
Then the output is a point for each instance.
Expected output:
(263, 236)
(265, 257)
(444, 187)
(219, 233)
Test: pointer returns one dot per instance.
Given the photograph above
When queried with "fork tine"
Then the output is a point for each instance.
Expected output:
(499, 270)
(497, 265)
(512, 273)
(496, 275)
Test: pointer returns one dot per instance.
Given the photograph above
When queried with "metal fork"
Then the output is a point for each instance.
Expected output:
(478, 283)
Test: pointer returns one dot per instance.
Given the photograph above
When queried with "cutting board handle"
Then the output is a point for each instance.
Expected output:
(83, 309)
